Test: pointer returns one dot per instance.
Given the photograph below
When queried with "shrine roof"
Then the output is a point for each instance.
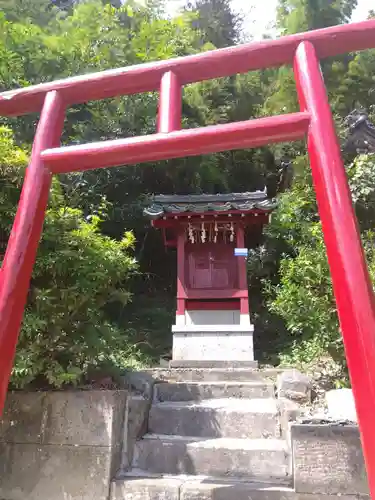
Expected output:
(163, 205)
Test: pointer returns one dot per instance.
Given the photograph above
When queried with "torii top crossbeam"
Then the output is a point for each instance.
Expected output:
(351, 282)
(204, 66)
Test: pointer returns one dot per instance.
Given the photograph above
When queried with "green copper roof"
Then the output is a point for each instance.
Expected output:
(162, 205)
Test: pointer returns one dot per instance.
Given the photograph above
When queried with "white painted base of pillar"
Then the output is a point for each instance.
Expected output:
(213, 343)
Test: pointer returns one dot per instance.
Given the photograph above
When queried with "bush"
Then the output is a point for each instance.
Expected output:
(301, 294)
(78, 272)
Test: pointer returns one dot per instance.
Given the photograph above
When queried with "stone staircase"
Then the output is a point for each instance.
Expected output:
(212, 433)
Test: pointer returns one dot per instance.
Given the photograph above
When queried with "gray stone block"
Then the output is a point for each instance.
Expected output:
(59, 445)
(206, 375)
(341, 405)
(262, 459)
(138, 414)
(54, 472)
(294, 385)
(328, 459)
(140, 383)
(157, 488)
(181, 363)
(197, 391)
(90, 418)
(289, 413)
(135, 426)
(206, 490)
(24, 418)
(231, 418)
(146, 489)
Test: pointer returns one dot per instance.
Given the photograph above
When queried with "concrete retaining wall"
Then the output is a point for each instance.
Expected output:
(68, 445)
(328, 459)
(61, 445)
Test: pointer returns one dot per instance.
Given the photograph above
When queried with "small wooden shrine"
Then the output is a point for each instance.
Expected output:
(212, 317)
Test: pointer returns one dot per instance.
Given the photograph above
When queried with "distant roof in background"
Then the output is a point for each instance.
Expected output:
(361, 133)
(162, 205)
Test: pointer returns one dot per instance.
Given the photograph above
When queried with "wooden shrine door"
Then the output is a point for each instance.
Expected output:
(211, 266)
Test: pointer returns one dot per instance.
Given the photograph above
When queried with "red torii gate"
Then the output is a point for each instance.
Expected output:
(351, 283)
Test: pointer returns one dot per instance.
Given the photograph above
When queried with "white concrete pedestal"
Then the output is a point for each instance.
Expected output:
(213, 343)
(203, 336)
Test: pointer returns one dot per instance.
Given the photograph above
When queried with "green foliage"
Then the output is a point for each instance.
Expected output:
(78, 272)
(296, 315)
(356, 86)
(361, 174)
(303, 297)
(295, 16)
(217, 21)
(77, 313)
(37, 11)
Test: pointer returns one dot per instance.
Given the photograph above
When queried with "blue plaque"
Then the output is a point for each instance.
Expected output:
(241, 252)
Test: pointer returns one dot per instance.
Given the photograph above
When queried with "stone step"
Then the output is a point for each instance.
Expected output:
(212, 364)
(197, 391)
(205, 488)
(214, 418)
(255, 459)
(205, 374)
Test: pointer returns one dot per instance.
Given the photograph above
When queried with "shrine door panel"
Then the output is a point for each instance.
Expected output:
(211, 266)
